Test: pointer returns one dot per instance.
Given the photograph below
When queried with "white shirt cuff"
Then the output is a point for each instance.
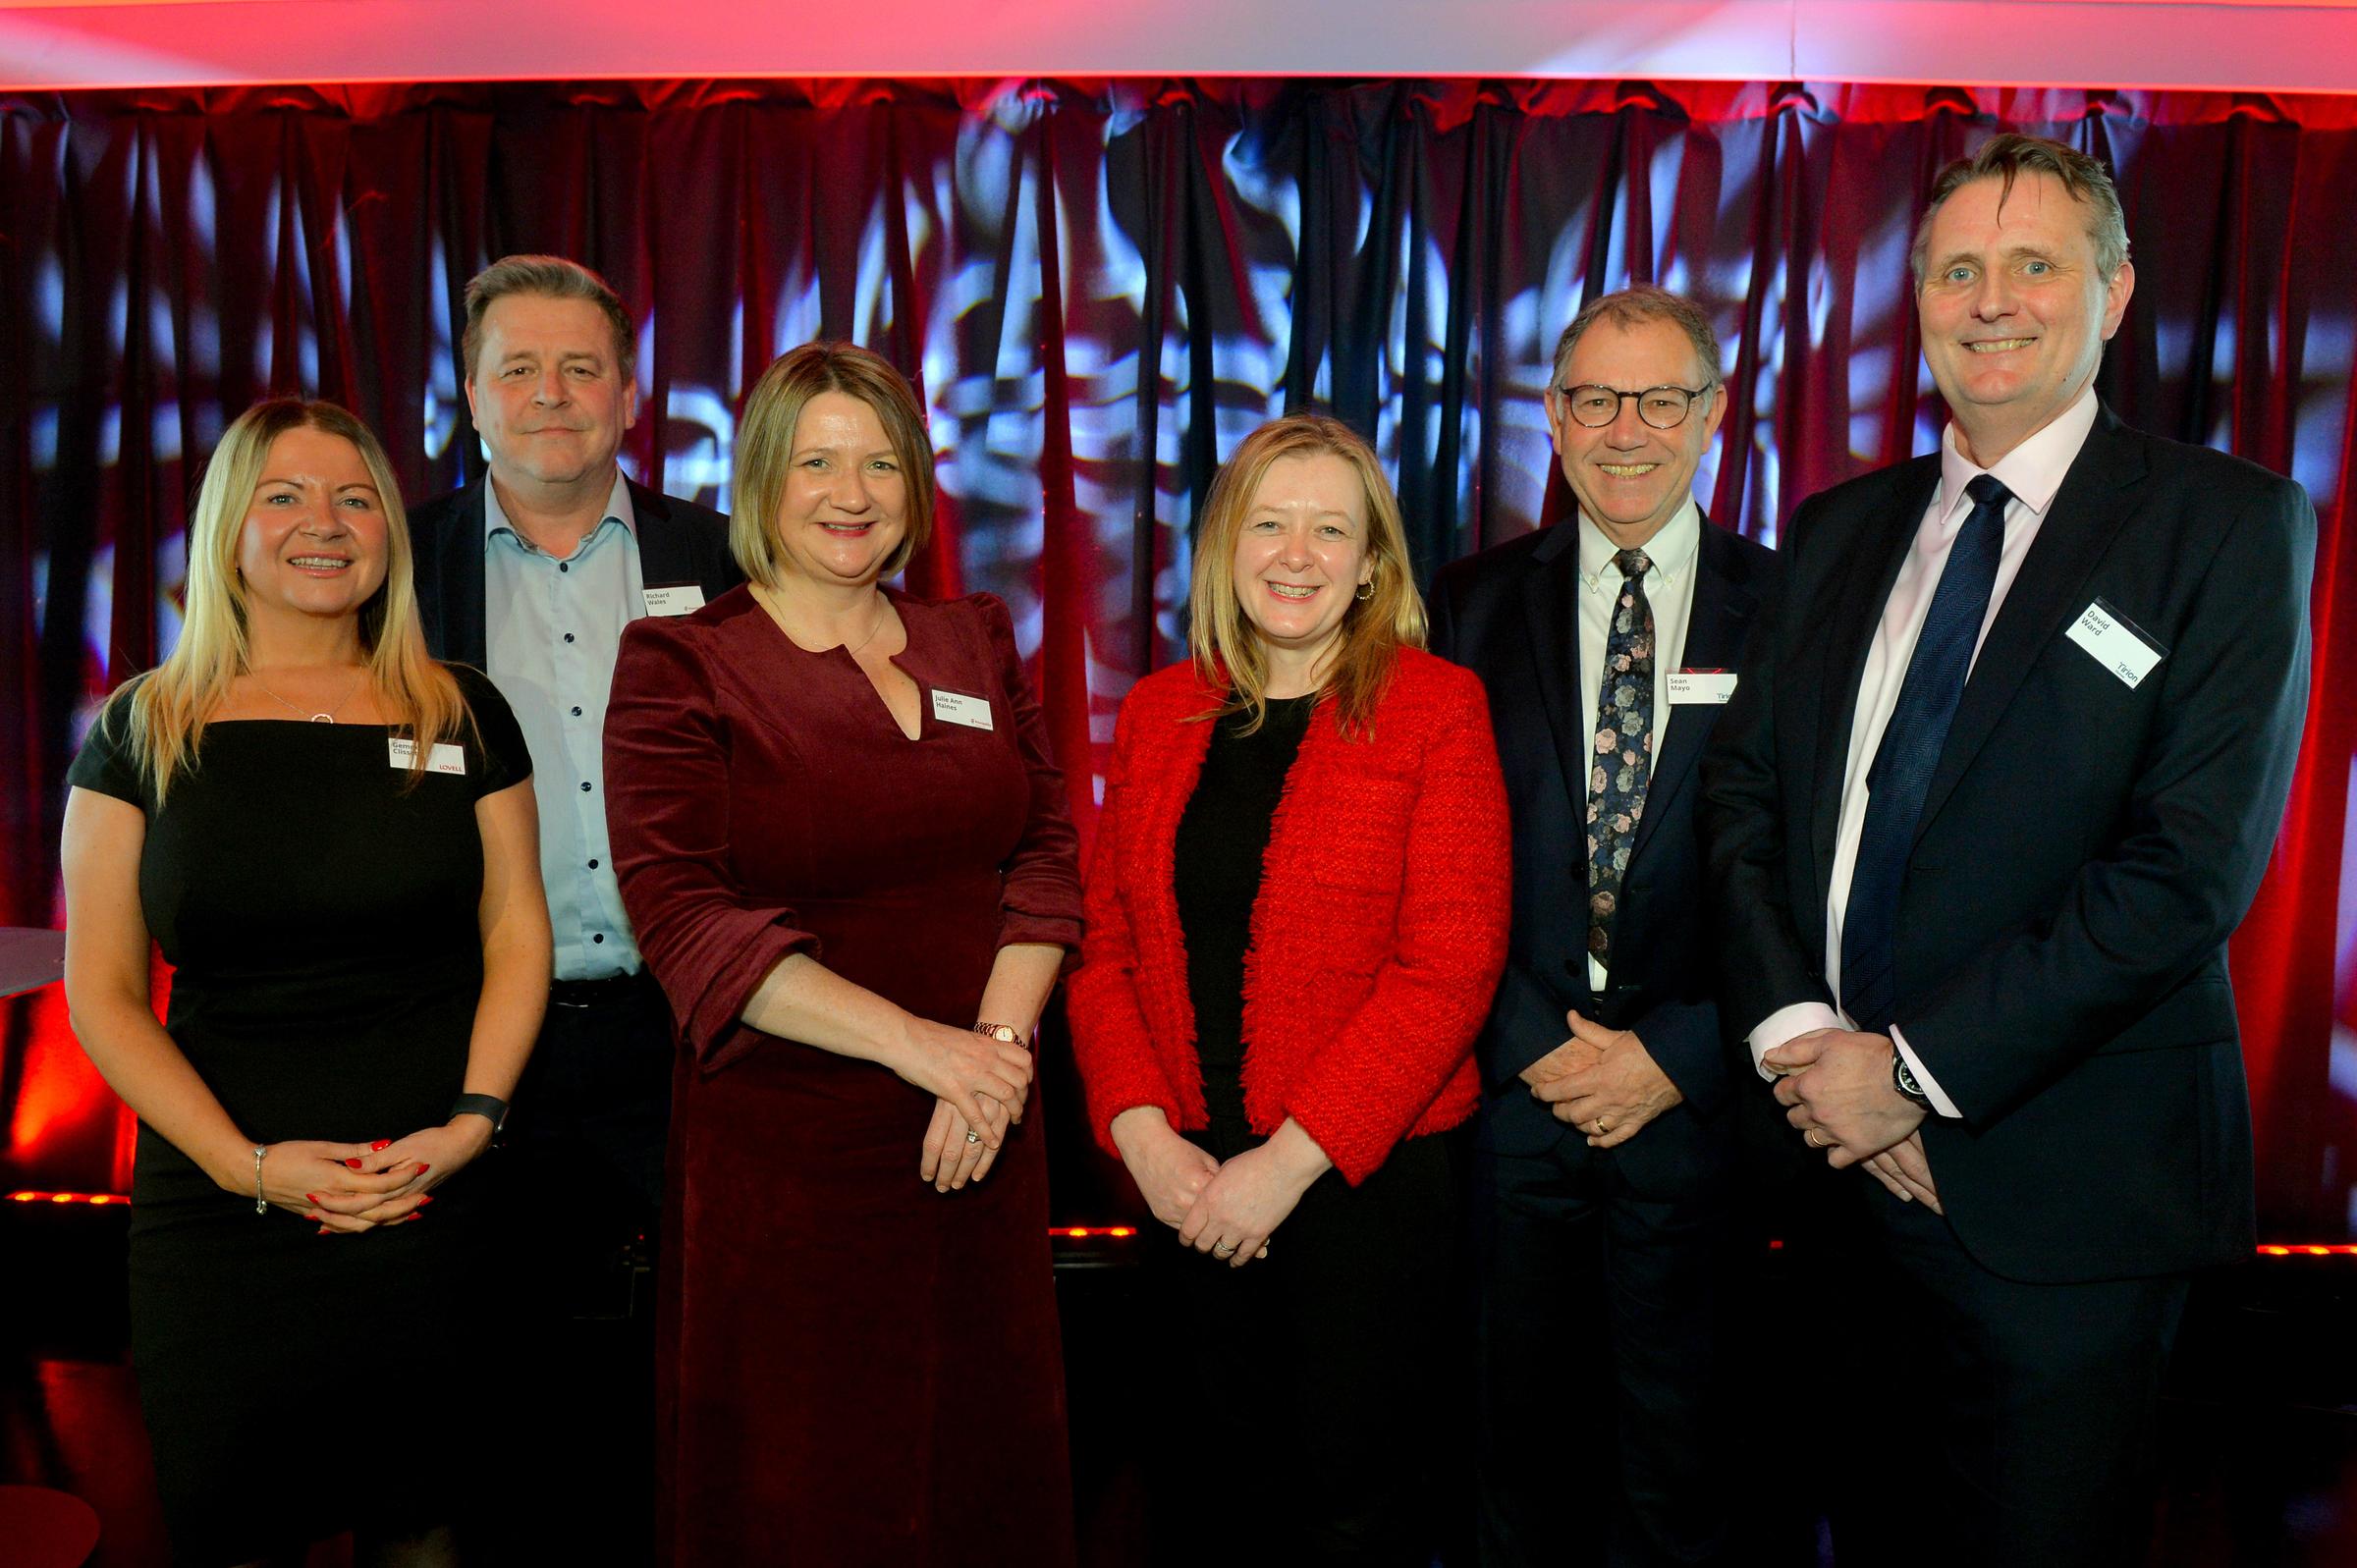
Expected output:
(1787, 1023)
(1924, 1079)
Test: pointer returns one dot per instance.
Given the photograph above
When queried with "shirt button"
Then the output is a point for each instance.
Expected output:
(577, 713)
(584, 787)
(593, 865)
(563, 566)
(568, 636)
(598, 937)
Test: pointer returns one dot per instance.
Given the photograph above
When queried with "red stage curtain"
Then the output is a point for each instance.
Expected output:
(1098, 287)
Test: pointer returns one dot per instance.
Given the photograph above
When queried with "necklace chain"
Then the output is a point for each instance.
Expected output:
(327, 718)
(769, 597)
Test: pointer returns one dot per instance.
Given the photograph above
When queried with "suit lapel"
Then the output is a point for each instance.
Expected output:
(1855, 619)
(1551, 612)
(2096, 500)
(662, 557)
(1716, 624)
(462, 584)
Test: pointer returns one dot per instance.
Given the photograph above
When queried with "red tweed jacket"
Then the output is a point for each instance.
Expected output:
(1376, 938)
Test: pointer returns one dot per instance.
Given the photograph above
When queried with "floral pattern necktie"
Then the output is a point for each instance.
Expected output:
(1620, 763)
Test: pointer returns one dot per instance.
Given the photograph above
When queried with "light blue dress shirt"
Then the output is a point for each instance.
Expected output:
(554, 628)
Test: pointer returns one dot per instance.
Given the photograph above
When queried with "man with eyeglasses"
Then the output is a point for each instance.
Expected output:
(1605, 1156)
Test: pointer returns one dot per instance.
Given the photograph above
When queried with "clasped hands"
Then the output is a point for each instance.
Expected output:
(979, 1083)
(1603, 1080)
(347, 1188)
(1227, 1210)
(1835, 1087)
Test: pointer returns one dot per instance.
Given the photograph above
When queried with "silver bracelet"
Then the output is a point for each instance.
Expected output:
(261, 1205)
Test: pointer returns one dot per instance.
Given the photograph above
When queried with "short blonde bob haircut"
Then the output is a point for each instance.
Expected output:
(1229, 653)
(765, 447)
(169, 707)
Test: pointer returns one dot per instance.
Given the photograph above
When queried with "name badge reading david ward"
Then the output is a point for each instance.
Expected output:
(674, 599)
(446, 758)
(1700, 686)
(2117, 643)
(954, 708)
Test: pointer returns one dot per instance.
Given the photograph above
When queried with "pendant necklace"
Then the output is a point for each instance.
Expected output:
(327, 718)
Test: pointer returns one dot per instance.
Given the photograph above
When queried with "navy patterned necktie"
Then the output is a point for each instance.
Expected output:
(1621, 763)
(1902, 772)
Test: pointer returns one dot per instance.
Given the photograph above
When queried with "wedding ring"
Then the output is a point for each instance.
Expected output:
(972, 1136)
(1223, 1251)
(1811, 1139)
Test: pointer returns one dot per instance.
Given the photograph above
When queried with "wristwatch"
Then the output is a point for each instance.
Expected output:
(1902, 1078)
(489, 1107)
(1005, 1032)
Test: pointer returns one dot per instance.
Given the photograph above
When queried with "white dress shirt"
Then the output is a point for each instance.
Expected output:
(1668, 588)
(2033, 471)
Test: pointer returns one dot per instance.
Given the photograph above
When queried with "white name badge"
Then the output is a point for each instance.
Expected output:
(2115, 642)
(952, 708)
(445, 757)
(1700, 686)
(677, 598)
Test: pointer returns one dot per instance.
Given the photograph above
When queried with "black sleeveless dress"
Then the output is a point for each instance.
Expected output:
(320, 915)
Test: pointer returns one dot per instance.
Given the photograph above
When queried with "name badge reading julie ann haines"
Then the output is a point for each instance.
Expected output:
(1700, 686)
(445, 757)
(956, 708)
(674, 599)
(2115, 642)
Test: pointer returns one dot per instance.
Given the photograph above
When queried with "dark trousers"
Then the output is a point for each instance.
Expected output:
(2000, 1421)
(1604, 1353)
(582, 1161)
(1304, 1419)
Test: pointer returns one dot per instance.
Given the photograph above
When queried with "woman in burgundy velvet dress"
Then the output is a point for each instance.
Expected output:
(843, 843)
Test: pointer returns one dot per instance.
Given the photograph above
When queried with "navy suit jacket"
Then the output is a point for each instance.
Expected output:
(679, 542)
(1511, 614)
(2085, 849)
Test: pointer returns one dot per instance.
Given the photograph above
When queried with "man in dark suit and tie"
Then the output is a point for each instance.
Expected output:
(1604, 1161)
(2002, 779)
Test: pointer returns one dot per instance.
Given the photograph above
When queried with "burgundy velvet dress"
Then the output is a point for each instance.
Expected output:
(859, 1370)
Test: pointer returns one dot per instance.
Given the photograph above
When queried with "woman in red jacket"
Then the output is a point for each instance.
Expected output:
(1296, 916)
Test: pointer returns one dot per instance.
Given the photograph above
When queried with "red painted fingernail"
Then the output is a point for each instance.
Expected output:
(423, 1168)
(322, 1230)
(355, 1164)
(381, 1143)
(424, 1198)
(310, 1197)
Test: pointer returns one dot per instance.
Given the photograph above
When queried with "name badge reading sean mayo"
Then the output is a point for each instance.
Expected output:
(1700, 686)
(445, 757)
(2117, 642)
(674, 599)
(955, 708)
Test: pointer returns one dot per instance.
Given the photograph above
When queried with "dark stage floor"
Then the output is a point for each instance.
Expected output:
(2259, 1429)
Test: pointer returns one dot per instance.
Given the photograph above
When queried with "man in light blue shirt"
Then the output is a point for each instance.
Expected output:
(531, 572)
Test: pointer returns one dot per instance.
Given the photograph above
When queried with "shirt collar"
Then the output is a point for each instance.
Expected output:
(1671, 550)
(2032, 470)
(617, 509)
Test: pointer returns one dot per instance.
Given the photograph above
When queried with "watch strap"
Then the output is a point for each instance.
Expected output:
(490, 1107)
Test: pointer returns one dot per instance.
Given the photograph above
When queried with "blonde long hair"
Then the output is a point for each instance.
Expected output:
(1227, 652)
(172, 704)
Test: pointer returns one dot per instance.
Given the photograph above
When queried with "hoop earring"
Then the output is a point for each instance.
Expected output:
(1366, 592)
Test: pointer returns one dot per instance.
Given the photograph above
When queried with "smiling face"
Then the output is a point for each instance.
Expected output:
(1629, 477)
(548, 394)
(845, 504)
(1300, 554)
(313, 542)
(2013, 308)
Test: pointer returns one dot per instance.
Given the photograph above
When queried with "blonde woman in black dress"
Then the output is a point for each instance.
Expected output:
(332, 838)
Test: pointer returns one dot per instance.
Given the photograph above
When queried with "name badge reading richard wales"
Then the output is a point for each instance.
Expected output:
(445, 758)
(1700, 686)
(2116, 643)
(674, 599)
(955, 708)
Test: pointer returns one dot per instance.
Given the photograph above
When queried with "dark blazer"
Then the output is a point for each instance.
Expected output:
(2085, 849)
(679, 542)
(1511, 614)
